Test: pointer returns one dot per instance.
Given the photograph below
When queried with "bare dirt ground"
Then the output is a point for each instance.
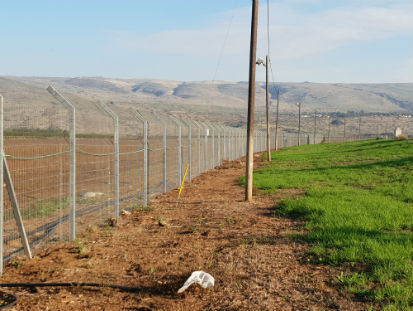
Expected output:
(256, 264)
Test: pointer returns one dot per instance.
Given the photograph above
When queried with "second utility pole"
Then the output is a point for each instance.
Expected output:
(276, 120)
(299, 123)
(267, 105)
(315, 126)
(251, 103)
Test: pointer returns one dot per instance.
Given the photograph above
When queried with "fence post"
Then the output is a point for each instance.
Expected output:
(213, 147)
(244, 147)
(178, 125)
(212, 144)
(72, 177)
(206, 146)
(234, 130)
(224, 142)
(219, 146)
(145, 164)
(259, 141)
(232, 144)
(145, 157)
(199, 146)
(165, 187)
(115, 118)
(239, 143)
(164, 126)
(189, 149)
(262, 141)
(235, 144)
(242, 142)
(241, 133)
(1, 185)
(229, 148)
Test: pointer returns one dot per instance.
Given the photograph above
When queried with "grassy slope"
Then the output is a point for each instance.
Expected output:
(358, 209)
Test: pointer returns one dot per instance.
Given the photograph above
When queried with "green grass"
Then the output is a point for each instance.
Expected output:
(358, 209)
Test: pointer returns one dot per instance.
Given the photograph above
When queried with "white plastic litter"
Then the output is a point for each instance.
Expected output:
(198, 277)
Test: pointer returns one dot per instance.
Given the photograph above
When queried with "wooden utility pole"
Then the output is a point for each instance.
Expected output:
(251, 103)
(299, 122)
(315, 126)
(328, 132)
(267, 104)
(276, 120)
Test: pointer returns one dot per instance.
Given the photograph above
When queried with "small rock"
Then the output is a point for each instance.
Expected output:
(112, 222)
(125, 212)
(162, 223)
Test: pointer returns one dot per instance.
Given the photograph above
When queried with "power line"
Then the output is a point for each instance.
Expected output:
(269, 42)
(221, 54)
(268, 26)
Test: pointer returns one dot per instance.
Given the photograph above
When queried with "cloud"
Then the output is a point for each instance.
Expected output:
(293, 34)
(297, 33)
(201, 42)
(300, 35)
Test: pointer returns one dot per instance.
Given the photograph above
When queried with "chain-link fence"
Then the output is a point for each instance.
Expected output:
(72, 164)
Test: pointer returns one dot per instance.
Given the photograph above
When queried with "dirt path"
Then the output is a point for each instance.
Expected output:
(255, 264)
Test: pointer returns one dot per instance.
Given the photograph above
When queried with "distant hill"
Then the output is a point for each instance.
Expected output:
(323, 97)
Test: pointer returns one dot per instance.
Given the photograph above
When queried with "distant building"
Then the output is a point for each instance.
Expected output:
(397, 132)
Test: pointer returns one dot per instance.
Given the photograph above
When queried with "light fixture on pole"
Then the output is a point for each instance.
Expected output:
(266, 64)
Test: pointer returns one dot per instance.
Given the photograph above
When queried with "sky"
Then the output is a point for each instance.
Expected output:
(349, 41)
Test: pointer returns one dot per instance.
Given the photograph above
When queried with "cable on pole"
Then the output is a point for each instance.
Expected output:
(268, 27)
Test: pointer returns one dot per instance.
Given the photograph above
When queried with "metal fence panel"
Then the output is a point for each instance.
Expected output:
(117, 158)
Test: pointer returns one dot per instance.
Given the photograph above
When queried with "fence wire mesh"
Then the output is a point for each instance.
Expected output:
(125, 157)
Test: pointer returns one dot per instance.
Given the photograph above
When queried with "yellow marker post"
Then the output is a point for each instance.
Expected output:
(182, 185)
(183, 180)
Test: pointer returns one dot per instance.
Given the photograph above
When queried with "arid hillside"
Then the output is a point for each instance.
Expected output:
(395, 97)
(29, 105)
